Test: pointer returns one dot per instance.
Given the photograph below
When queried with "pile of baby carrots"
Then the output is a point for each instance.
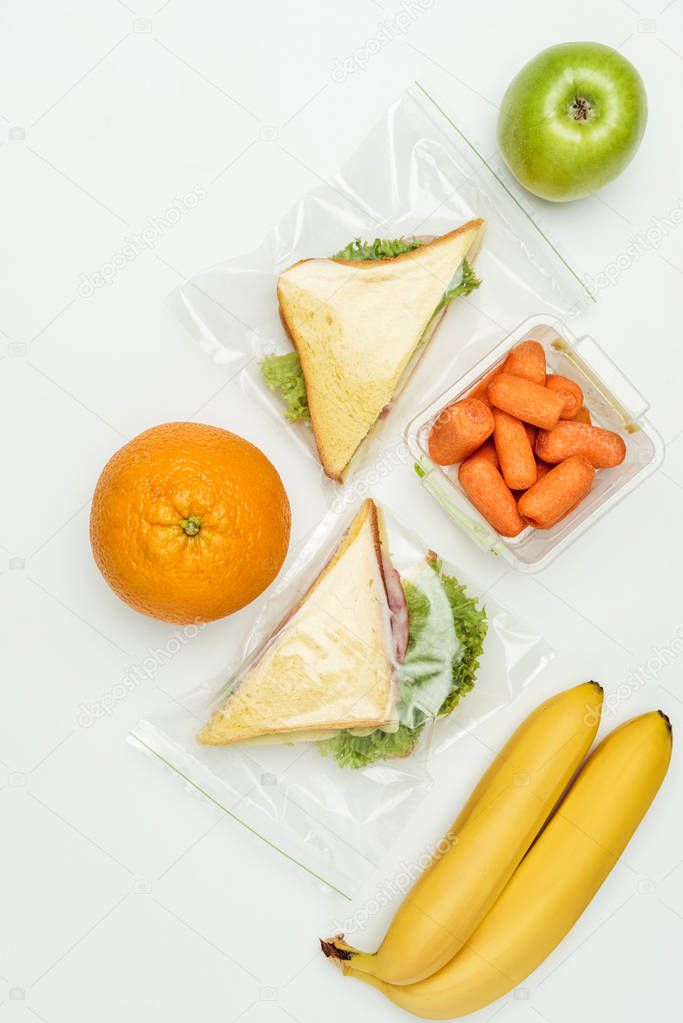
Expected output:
(527, 448)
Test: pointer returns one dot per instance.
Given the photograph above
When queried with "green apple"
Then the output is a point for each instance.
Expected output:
(572, 119)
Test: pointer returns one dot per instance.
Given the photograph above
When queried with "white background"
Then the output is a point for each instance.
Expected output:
(124, 898)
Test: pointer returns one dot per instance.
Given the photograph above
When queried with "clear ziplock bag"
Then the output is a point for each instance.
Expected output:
(414, 175)
(336, 821)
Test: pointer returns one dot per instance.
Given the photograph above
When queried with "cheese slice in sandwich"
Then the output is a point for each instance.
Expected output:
(357, 325)
(330, 666)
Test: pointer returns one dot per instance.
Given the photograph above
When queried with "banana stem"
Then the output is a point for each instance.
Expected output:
(342, 955)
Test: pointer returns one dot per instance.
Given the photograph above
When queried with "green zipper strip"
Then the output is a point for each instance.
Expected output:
(239, 820)
(507, 190)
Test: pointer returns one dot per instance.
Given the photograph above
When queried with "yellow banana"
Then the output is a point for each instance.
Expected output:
(556, 880)
(485, 844)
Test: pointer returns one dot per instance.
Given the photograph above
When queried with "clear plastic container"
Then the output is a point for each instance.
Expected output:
(613, 402)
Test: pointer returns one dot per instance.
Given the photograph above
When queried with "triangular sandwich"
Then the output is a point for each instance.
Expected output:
(331, 664)
(356, 326)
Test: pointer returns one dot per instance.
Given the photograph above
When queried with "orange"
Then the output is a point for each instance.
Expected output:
(189, 522)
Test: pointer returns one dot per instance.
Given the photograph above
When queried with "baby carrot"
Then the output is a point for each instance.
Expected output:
(515, 453)
(490, 495)
(557, 493)
(602, 448)
(527, 360)
(569, 390)
(459, 430)
(526, 400)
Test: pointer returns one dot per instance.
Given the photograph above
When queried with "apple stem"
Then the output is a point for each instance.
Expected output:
(581, 108)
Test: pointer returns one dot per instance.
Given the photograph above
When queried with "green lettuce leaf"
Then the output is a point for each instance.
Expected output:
(469, 621)
(283, 373)
(424, 678)
(381, 248)
(470, 627)
(464, 283)
(362, 750)
(418, 612)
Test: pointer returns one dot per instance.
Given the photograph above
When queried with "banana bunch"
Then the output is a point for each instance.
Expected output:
(512, 876)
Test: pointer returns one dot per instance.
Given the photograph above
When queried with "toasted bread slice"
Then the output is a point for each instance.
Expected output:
(356, 326)
(330, 664)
